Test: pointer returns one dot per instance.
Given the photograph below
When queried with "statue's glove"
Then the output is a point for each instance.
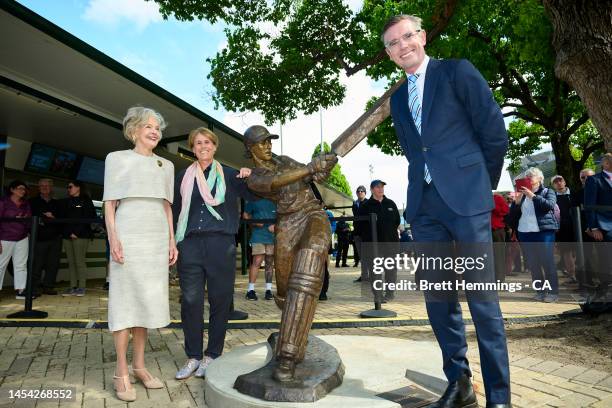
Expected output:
(320, 176)
(322, 164)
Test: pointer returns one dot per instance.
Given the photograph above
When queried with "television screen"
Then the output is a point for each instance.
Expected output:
(40, 159)
(91, 171)
(49, 160)
(63, 164)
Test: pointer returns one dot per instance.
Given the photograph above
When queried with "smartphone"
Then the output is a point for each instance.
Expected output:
(522, 182)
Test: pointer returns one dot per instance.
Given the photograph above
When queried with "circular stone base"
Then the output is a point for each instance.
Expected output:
(374, 365)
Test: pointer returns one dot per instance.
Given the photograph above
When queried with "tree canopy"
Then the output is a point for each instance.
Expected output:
(336, 178)
(287, 56)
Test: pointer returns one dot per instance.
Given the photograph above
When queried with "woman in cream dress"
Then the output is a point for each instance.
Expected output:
(138, 191)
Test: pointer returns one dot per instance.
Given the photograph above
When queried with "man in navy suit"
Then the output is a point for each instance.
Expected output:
(598, 191)
(452, 132)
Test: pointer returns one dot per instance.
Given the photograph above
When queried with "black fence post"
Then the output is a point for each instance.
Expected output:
(28, 313)
(378, 311)
(580, 262)
(243, 247)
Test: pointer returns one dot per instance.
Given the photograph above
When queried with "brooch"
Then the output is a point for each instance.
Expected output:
(159, 163)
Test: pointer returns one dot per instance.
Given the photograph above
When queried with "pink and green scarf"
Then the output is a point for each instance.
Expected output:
(205, 186)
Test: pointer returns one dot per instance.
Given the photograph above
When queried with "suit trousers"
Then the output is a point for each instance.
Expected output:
(436, 222)
(46, 257)
(206, 259)
(605, 261)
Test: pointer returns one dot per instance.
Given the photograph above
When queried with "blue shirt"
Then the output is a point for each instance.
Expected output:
(261, 210)
(332, 223)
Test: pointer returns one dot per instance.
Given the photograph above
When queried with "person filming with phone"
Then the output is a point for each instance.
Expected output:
(533, 216)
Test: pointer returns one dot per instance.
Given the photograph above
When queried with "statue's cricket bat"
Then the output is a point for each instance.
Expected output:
(365, 124)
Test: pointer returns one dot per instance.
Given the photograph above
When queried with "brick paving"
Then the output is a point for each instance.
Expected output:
(31, 357)
(346, 301)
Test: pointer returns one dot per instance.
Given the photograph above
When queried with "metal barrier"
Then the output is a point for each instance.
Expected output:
(378, 311)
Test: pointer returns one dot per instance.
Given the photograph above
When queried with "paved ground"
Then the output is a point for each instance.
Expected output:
(84, 358)
(346, 301)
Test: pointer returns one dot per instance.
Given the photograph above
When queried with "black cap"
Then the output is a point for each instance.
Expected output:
(256, 134)
(377, 182)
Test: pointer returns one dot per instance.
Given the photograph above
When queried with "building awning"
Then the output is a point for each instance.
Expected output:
(57, 90)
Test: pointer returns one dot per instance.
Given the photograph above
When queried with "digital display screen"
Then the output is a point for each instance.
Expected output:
(91, 171)
(40, 158)
(49, 160)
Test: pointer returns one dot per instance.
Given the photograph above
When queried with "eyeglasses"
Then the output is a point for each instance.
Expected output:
(406, 37)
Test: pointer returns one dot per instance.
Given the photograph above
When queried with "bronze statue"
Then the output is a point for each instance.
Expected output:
(303, 236)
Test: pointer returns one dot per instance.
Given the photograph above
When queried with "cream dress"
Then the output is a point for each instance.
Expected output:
(138, 288)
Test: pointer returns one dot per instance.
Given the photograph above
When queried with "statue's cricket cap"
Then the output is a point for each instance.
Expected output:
(256, 134)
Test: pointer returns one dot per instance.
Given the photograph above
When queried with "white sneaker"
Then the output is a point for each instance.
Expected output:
(187, 370)
(201, 371)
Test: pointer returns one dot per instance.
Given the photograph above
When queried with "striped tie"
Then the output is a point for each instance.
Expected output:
(415, 109)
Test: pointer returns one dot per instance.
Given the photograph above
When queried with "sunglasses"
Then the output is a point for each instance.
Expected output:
(361, 191)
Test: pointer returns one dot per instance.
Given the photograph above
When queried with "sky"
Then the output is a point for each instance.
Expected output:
(173, 55)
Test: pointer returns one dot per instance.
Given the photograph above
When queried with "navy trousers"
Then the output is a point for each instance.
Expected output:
(436, 222)
(206, 259)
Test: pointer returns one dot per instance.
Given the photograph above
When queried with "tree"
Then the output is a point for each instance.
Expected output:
(582, 37)
(298, 68)
(336, 178)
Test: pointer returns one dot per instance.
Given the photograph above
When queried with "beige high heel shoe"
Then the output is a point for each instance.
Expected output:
(149, 381)
(129, 393)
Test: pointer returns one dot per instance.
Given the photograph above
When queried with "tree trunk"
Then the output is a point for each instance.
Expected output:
(582, 38)
(565, 163)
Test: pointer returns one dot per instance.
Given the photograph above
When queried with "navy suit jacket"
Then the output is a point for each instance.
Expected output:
(463, 138)
(597, 191)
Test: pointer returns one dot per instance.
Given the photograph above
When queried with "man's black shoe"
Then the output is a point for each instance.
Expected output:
(345, 266)
(458, 394)
(356, 265)
(49, 291)
(106, 285)
(337, 265)
(323, 296)
(492, 405)
(357, 280)
(268, 295)
(251, 295)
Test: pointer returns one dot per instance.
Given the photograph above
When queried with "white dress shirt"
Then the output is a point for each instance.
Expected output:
(420, 82)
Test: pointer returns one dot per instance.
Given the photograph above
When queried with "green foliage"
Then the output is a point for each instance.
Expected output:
(336, 178)
(296, 66)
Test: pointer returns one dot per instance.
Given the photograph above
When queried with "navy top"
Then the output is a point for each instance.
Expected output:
(200, 220)
(544, 205)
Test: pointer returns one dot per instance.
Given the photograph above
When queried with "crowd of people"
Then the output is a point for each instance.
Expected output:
(155, 218)
(74, 236)
(533, 224)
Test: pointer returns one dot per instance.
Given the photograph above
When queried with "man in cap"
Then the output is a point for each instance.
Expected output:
(387, 222)
(303, 237)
